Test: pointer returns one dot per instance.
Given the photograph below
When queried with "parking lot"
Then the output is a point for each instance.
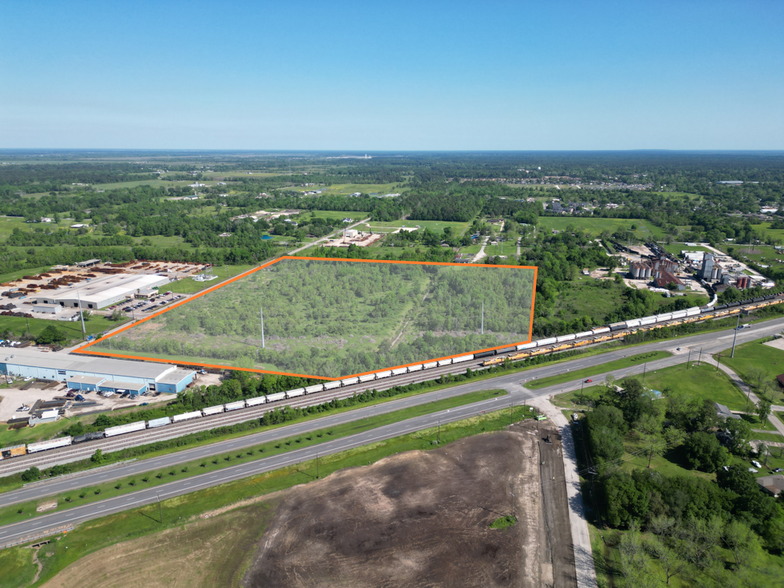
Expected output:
(152, 304)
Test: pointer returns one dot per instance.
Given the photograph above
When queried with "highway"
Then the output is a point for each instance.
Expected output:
(513, 383)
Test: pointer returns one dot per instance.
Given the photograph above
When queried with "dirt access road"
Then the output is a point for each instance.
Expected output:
(423, 519)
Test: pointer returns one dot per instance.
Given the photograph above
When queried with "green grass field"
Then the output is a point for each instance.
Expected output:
(144, 521)
(224, 272)
(20, 326)
(758, 365)
(436, 226)
(777, 234)
(618, 364)
(646, 230)
(699, 381)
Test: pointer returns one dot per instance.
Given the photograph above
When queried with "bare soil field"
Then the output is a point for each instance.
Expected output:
(419, 518)
(423, 519)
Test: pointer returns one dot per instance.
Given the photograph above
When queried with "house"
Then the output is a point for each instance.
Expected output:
(723, 412)
(772, 484)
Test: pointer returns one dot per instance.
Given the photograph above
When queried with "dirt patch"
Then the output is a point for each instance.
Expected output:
(418, 519)
(776, 344)
(201, 554)
(44, 506)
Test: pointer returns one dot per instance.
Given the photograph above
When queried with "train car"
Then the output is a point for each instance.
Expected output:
(332, 385)
(601, 339)
(415, 368)
(235, 405)
(582, 342)
(617, 326)
(314, 388)
(367, 378)
(562, 338)
(493, 361)
(443, 362)
(562, 347)
(186, 416)
(679, 314)
(484, 354)
(648, 320)
(633, 323)
(543, 342)
(123, 429)
(583, 335)
(429, 364)
(664, 317)
(693, 311)
(399, 371)
(296, 392)
(350, 381)
(258, 400)
(210, 410)
(87, 437)
(464, 358)
(600, 330)
(531, 345)
(384, 374)
(155, 423)
(50, 444)
(13, 451)
(276, 396)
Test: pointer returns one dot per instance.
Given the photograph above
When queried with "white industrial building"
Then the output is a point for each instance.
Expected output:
(100, 292)
(84, 372)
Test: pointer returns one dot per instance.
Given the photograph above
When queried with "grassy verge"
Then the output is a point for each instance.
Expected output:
(190, 286)
(599, 369)
(758, 365)
(20, 326)
(768, 437)
(144, 521)
(157, 477)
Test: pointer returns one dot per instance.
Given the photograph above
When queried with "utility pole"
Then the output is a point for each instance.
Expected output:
(317, 466)
(644, 369)
(688, 361)
(81, 314)
(718, 355)
(28, 326)
(581, 391)
(735, 337)
(483, 317)
(511, 414)
(439, 433)
(160, 515)
(261, 314)
(699, 360)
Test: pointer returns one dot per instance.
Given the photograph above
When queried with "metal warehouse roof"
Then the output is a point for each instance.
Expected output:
(174, 377)
(81, 363)
(86, 379)
(123, 385)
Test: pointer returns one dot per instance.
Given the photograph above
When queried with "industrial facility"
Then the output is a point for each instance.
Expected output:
(100, 292)
(96, 374)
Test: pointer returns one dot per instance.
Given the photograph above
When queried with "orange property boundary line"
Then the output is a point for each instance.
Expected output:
(83, 349)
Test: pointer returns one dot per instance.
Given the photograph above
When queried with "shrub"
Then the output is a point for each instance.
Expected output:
(97, 491)
(117, 486)
(146, 479)
(83, 494)
(159, 475)
(203, 464)
(31, 474)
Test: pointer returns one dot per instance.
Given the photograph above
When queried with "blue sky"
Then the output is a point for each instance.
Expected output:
(555, 74)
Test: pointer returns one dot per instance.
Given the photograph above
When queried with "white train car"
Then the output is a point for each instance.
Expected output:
(563, 338)
(314, 388)
(332, 385)
(210, 410)
(664, 317)
(256, 401)
(276, 396)
(51, 444)
(633, 323)
(122, 429)
(367, 378)
(523, 346)
(600, 330)
(462, 358)
(648, 320)
(679, 314)
(583, 335)
(429, 364)
(443, 362)
(399, 371)
(548, 341)
(416, 368)
(693, 311)
(384, 374)
(235, 405)
(186, 416)
(155, 423)
(349, 381)
(295, 393)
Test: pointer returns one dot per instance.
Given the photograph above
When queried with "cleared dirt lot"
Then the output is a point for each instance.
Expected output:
(413, 519)
(423, 519)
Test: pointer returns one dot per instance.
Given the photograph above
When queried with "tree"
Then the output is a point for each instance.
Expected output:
(763, 410)
(635, 563)
(741, 541)
(705, 453)
(49, 335)
(31, 475)
(670, 560)
(97, 457)
(740, 433)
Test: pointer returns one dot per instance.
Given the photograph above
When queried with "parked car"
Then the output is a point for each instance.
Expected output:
(588, 381)
(79, 398)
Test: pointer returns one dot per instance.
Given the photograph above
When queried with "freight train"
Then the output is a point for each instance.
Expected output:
(494, 357)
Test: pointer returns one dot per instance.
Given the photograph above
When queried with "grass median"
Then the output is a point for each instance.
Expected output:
(159, 476)
(181, 510)
(598, 369)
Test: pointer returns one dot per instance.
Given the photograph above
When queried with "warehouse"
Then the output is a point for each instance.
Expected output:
(100, 292)
(90, 373)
